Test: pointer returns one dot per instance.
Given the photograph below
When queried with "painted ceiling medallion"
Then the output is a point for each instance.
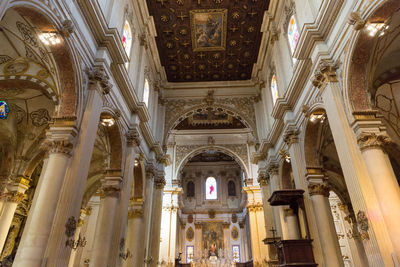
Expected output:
(17, 66)
(3, 110)
(208, 29)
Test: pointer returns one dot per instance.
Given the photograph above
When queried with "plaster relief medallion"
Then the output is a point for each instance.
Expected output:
(17, 66)
(208, 29)
(19, 112)
(235, 233)
(40, 117)
(189, 234)
(234, 218)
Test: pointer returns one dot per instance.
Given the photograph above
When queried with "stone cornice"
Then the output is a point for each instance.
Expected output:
(319, 29)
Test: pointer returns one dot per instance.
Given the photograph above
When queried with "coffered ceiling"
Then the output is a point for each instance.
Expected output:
(208, 40)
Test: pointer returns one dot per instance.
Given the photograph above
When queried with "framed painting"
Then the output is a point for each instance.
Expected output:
(208, 29)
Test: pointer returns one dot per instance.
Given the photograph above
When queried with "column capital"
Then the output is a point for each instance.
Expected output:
(99, 80)
(164, 159)
(111, 184)
(150, 170)
(14, 196)
(198, 225)
(291, 136)
(159, 182)
(263, 177)
(226, 225)
(135, 213)
(133, 138)
(255, 207)
(60, 136)
(325, 72)
(319, 189)
(367, 140)
(273, 168)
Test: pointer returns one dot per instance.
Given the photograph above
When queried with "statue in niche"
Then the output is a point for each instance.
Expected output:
(190, 189)
(231, 189)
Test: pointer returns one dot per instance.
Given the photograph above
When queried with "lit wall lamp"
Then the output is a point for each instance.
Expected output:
(136, 163)
(50, 38)
(107, 120)
(284, 155)
(375, 28)
(317, 116)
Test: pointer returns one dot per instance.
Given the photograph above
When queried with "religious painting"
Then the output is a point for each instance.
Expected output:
(208, 29)
(3, 110)
(235, 233)
(190, 234)
(212, 237)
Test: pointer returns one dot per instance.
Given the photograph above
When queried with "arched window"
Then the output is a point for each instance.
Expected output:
(190, 189)
(211, 188)
(146, 92)
(231, 189)
(127, 38)
(274, 89)
(293, 34)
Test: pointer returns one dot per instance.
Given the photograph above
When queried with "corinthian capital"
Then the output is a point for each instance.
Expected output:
(133, 138)
(160, 182)
(326, 72)
(99, 79)
(291, 136)
(150, 170)
(372, 140)
(58, 146)
(318, 189)
(14, 196)
(111, 184)
(263, 178)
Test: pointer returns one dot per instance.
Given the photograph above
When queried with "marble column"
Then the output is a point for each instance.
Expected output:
(10, 201)
(280, 224)
(159, 184)
(292, 224)
(263, 180)
(59, 143)
(319, 193)
(198, 227)
(360, 187)
(384, 181)
(147, 211)
(110, 193)
(132, 141)
(134, 235)
(182, 238)
(71, 195)
(227, 239)
(243, 241)
(257, 223)
(78, 231)
(291, 138)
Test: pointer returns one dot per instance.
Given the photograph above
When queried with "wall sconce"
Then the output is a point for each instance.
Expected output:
(317, 116)
(107, 120)
(136, 163)
(376, 27)
(70, 229)
(50, 38)
(284, 155)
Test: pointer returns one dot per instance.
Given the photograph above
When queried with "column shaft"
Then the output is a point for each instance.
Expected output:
(386, 187)
(147, 211)
(110, 192)
(41, 215)
(134, 237)
(360, 188)
(156, 222)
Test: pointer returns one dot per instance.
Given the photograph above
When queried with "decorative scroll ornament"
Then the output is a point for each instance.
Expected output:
(325, 72)
(291, 136)
(362, 225)
(372, 140)
(100, 76)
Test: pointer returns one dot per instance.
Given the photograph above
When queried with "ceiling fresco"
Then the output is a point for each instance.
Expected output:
(208, 40)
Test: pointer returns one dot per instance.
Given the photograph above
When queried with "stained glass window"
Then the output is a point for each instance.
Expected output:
(236, 253)
(293, 34)
(146, 92)
(127, 38)
(189, 254)
(211, 188)
(274, 89)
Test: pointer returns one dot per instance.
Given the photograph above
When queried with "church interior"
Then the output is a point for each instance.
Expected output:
(199, 133)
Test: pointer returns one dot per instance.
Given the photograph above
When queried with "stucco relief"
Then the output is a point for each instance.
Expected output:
(239, 149)
(177, 108)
